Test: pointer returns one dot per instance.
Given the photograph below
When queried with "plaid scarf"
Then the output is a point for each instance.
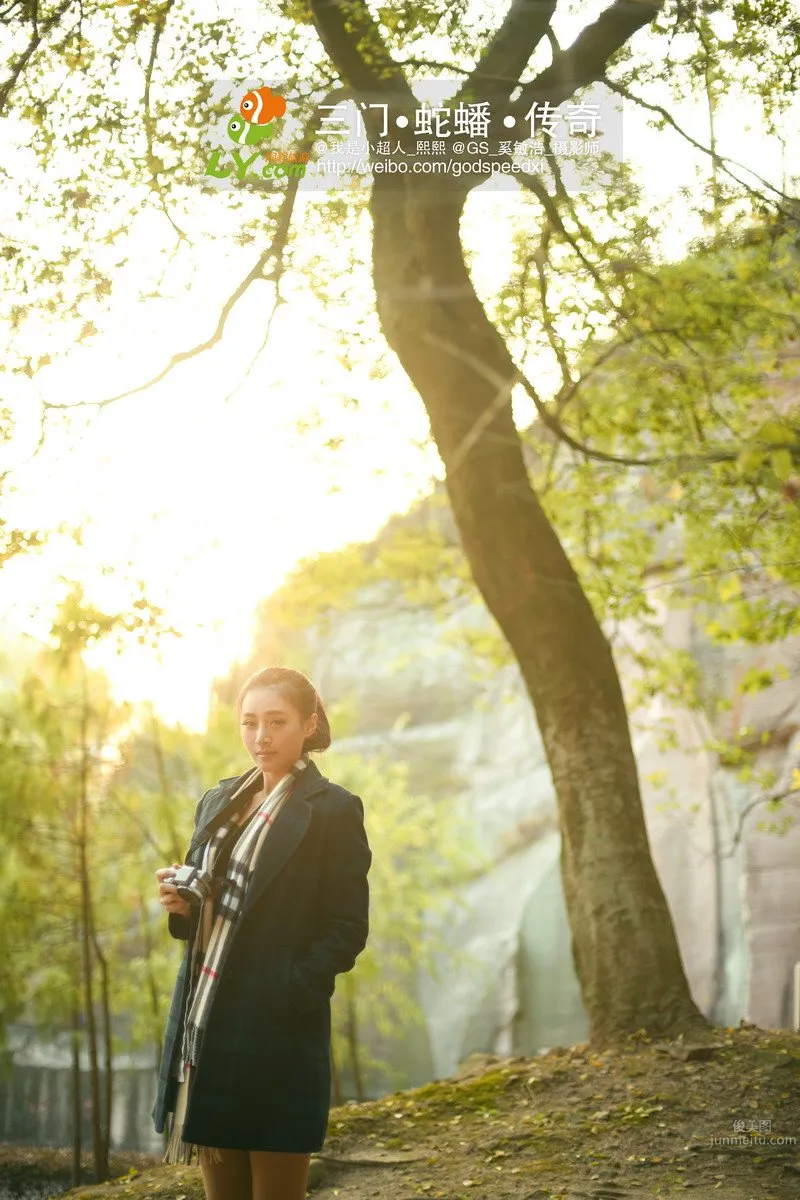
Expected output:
(211, 943)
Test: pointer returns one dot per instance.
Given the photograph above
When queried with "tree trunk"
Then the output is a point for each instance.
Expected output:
(108, 1081)
(100, 1162)
(336, 1083)
(152, 985)
(77, 1099)
(623, 943)
(167, 808)
(352, 1036)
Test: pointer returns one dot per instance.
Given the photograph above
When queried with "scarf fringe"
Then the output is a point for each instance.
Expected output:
(179, 1152)
(191, 1044)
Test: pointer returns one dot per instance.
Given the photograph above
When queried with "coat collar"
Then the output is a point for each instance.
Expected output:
(284, 836)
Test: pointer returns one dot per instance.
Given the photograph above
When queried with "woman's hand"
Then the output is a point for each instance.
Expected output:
(168, 895)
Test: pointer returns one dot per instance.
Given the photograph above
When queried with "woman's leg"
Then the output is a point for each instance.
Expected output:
(228, 1179)
(279, 1176)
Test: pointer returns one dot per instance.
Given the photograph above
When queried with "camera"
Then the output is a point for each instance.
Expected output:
(193, 885)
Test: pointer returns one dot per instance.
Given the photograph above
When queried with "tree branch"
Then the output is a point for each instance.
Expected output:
(556, 343)
(550, 420)
(585, 60)
(256, 272)
(158, 30)
(507, 55)
(39, 32)
(554, 216)
(355, 45)
(274, 251)
(719, 159)
(776, 798)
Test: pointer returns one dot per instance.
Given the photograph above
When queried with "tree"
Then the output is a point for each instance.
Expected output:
(54, 734)
(457, 358)
(57, 735)
(624, 947)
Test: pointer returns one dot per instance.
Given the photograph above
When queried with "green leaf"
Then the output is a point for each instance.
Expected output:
(782, 464)
(750, 460)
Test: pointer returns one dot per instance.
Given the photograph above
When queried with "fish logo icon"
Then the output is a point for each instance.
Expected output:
(243, 134)
(252, 129)
(261, 106)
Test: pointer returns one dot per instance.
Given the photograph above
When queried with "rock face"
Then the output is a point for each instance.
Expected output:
(469, 737)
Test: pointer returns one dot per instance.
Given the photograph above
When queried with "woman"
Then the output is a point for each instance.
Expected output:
(273, 904)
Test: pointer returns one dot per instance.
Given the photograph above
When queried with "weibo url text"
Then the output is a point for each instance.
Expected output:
(447, 166)
(238, 166)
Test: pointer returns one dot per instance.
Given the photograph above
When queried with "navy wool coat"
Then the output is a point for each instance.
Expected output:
(263, 1080)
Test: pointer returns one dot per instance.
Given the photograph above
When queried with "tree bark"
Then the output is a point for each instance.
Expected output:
(623, 943)
(176, 851)
(336, 1083)
(100, 1158)
(75, 1054)
(352, 1037)
(152, 985)
(108, 1057)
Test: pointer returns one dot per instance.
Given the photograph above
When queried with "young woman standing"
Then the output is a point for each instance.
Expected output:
(273, 903)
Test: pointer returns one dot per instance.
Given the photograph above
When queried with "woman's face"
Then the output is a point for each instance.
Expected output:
(272, 731)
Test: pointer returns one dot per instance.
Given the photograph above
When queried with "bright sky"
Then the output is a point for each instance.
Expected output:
(212, 502)
(209, 503)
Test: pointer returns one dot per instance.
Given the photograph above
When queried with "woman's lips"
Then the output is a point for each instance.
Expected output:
(264, 753)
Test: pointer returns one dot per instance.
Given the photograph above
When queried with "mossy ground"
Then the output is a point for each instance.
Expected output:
(635, 1121)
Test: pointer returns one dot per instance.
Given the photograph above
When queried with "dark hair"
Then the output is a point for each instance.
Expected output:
(299, 691)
